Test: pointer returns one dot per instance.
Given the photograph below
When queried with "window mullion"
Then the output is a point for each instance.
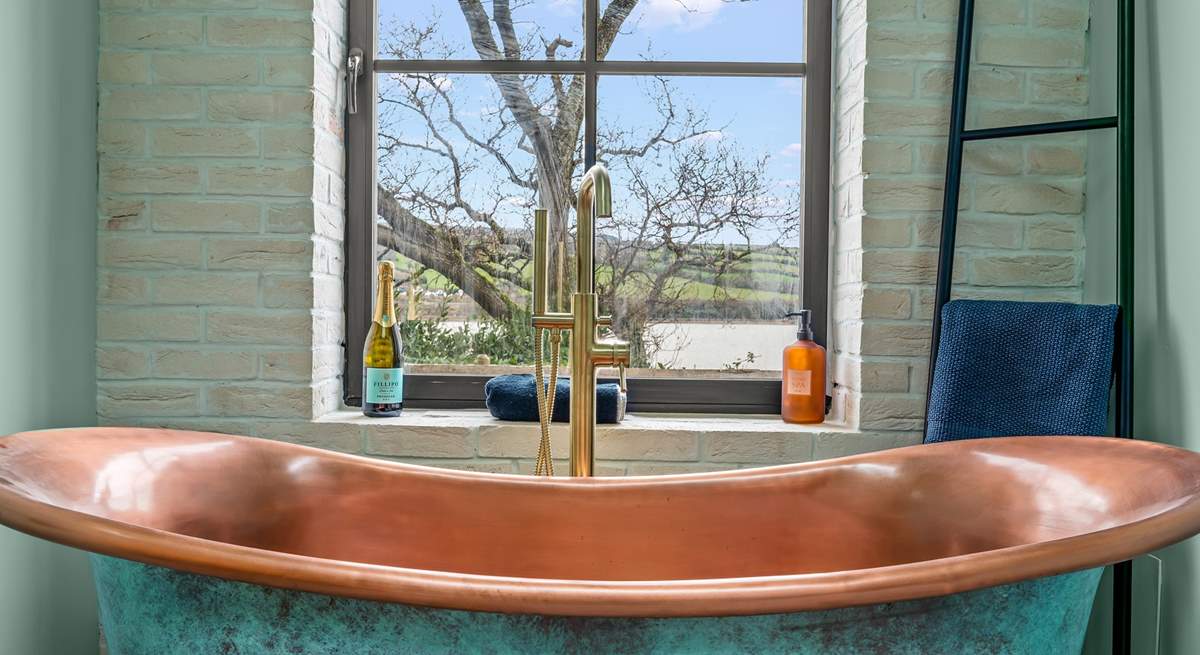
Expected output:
(591, 39)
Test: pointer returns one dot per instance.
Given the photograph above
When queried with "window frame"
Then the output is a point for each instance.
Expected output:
(445, 391)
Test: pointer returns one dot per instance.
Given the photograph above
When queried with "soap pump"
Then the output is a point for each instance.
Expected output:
(803, 395)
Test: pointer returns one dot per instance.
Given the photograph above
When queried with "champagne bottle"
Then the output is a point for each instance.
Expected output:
(383, 353)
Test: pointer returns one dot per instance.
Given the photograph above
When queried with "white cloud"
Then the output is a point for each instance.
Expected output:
(683, 15)
(793, 150)
(709, 136)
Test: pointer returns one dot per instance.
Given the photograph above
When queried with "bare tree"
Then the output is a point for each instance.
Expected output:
(439, 199)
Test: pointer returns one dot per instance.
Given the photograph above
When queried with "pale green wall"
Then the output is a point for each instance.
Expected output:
(1167, 385)
(47, 291)
(1168, 291)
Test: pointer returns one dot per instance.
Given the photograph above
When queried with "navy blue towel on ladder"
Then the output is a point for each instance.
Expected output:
(1021, 368)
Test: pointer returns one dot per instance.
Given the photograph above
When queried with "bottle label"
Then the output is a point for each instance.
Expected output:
(383, 386)
(799, 383)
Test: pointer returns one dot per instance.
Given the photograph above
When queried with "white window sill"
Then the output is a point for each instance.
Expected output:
(642, 444)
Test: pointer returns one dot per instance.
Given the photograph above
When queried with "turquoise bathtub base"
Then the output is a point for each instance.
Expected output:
(150, 610)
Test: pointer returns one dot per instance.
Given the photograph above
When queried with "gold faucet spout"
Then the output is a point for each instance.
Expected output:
(587, 350)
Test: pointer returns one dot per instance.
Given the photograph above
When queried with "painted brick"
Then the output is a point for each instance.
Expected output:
(288, 70)
(757, 447)
(120, 139)
(154, 103)
(1030, 197)
(896, 339)
(140, 252)
(828, 446)
(137, 324)
(288, 142)
(885, 194)
(205, 364)
(1059, 88)
(273, 107)
(205, 288)
(616, 443)
(1053, 234)
(1025, 270)
(122, 289)
(991, 12)
(1061, 16)
(886, 303)
(1026, 48)
(124, 68)
(194, 68)
(135, 31)
(116, 362)
(173, 215)
(290, 219)
(886, 156)
(890, 117)
(287, 291)
(986, 84)
(263, 327)
(997, 116)
(890, 81)
(1056, 160)
(900, 266)
(880, 376)
(204, 4)
(520, 440)
(674, 468)
(120, 213)
(924, 44)
(288, 366)
(127, 176)
(260, 33)
(886, 232)
(275, 180)
(205, 141)
(119, 400)
(260, 254)
(333, 436)
(260, 400)
(988, 159)
(885, 412)
(428, 442)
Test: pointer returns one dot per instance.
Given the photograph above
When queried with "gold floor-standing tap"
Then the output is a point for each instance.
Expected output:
(588, 351)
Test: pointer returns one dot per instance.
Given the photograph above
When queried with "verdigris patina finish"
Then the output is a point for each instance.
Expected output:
(150, 610)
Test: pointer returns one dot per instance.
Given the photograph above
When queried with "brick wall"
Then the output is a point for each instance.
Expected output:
(221, 218)
(1020, 232)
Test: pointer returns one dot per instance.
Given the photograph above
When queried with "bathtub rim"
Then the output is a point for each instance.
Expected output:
(654, 598)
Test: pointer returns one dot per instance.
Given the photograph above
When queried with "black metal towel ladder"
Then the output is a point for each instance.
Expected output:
(1123, 123)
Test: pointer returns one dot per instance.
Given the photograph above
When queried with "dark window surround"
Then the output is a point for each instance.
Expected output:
(648, 394)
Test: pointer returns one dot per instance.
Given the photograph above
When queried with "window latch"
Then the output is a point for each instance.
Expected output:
(354, 69)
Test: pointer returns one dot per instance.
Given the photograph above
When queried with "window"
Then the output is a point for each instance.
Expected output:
(713, 119)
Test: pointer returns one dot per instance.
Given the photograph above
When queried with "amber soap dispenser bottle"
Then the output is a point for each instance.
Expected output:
(803, 375)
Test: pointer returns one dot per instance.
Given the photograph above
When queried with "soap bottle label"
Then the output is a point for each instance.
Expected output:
(799, 383)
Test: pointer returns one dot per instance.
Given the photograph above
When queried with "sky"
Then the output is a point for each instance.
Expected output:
(758, 115)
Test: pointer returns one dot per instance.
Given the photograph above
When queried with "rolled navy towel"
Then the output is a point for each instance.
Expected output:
(514, 398)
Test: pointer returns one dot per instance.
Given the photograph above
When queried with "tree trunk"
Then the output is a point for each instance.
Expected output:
(430, 247)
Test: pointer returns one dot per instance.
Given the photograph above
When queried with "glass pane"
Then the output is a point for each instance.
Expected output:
(701, 259)
(459, 176)
(440, 29)
(703, 30)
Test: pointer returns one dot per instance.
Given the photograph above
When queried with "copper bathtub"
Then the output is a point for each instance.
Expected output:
(990, 542)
